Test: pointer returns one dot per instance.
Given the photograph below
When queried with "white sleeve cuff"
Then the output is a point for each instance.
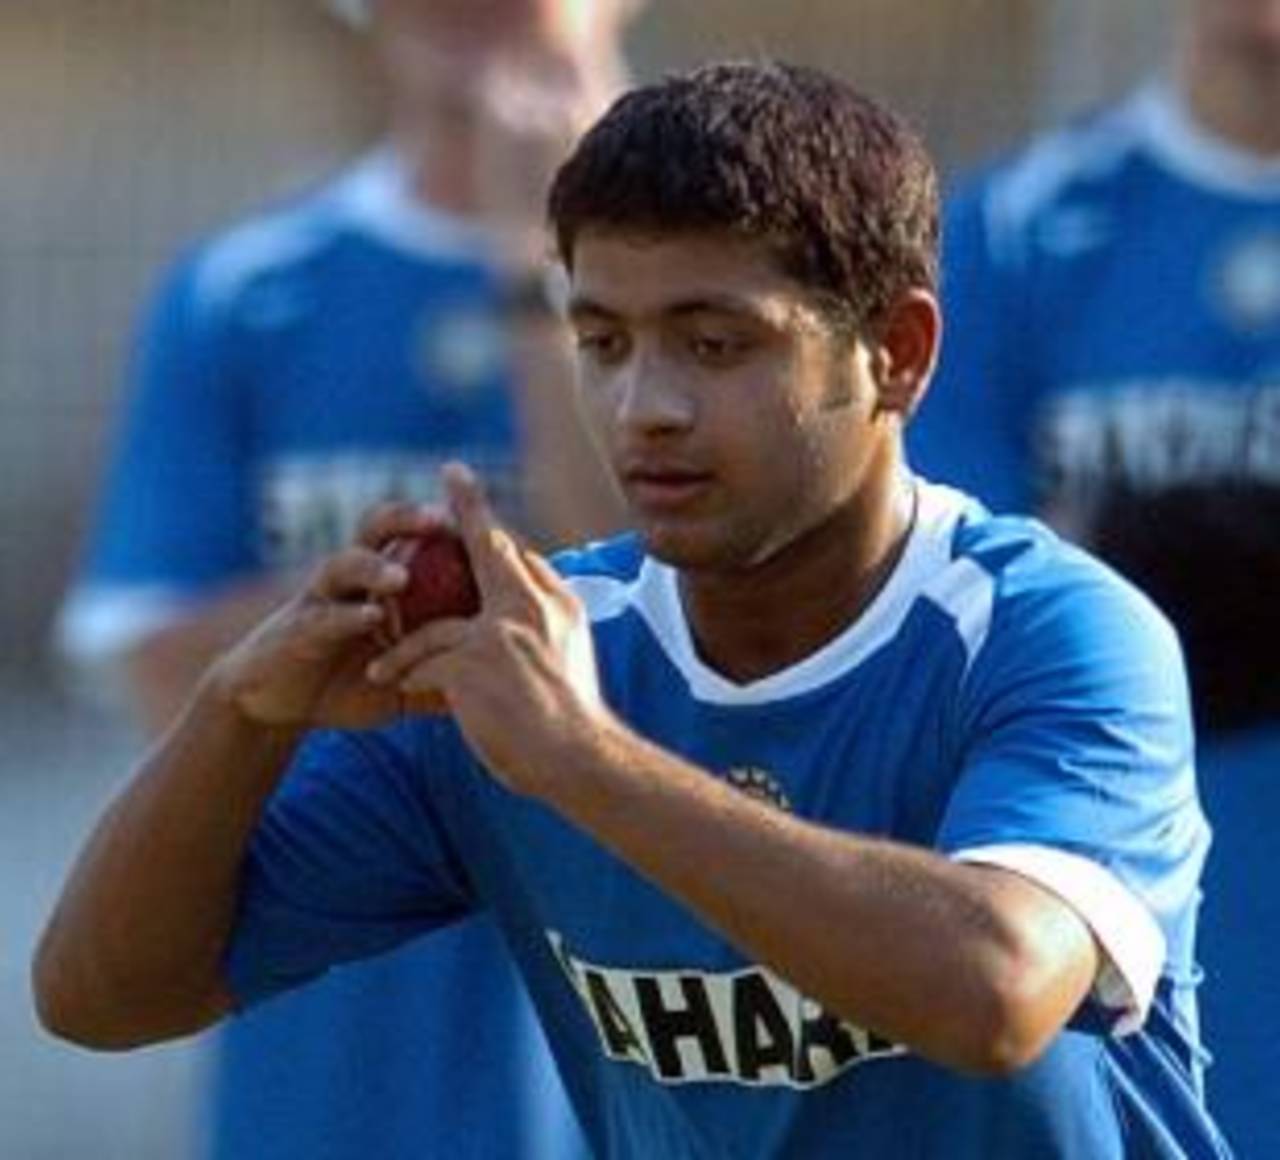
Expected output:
(1132, 942)
(99, 623)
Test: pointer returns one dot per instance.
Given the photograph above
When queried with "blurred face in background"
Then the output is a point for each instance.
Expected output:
(466, 26)
(440, 48)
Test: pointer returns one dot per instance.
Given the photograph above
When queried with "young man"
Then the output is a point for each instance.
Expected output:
(824, 815)
(1113, 365)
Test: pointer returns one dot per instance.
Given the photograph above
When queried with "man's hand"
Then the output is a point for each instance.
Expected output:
(520, 678)
(305, 664)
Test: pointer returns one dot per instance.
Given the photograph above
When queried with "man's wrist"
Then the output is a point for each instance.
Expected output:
(220, 696)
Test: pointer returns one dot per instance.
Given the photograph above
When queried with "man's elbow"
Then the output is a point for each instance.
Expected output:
(1012, 1025)
(104, 1018)
(1004, 1052)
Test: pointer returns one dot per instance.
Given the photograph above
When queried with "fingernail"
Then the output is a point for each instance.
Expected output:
(375, 673)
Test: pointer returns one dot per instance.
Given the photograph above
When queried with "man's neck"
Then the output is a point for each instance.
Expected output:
(438, 146)
(749, 625)
(1233, 96)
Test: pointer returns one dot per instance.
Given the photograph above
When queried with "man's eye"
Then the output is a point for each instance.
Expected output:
(718, 348)
(603, 346)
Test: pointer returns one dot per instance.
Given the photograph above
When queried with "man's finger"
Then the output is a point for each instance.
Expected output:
(331, 623)
(357, 573)
(544, 575)
(390, 666)
(386, 521)
(477, 525)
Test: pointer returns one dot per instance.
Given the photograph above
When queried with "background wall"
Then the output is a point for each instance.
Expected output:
(128, 126)
(125, 126)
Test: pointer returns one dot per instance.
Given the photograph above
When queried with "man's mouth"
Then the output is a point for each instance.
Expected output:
(664, 487)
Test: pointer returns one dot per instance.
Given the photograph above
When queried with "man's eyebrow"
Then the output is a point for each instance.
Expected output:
(582, 306)
(717, 304)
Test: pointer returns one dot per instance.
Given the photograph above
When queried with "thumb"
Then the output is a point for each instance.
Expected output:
(475, 519)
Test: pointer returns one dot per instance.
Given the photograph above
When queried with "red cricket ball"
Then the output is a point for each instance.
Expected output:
(441, 582)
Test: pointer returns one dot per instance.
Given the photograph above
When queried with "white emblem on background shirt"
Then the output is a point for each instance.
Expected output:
(1247, 282)
(1068, 232)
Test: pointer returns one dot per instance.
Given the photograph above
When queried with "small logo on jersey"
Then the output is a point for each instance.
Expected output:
(759, 784)
(460, 351)
(1070, 232)
(747, 1027)
(1247, 283)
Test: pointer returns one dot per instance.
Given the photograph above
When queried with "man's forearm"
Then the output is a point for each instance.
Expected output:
(973, 968)
(133, 949)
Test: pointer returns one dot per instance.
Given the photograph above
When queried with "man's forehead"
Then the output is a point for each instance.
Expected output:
(655, 273)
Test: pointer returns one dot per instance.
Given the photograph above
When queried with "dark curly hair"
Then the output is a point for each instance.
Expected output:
(839, 188)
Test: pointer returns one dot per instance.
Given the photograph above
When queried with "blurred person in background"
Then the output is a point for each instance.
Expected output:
(1112, 363)
(305, 364)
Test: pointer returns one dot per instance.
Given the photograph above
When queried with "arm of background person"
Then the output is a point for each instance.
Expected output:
(167, 582)
(572, 496)
(163, 667)
(532, 104)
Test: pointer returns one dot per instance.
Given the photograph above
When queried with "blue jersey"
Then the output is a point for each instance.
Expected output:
(1112, 361)
(296, 370)
(1004, 700)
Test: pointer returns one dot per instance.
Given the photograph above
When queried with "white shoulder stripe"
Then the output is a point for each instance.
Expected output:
(253, 248)
(100, 622)
(1030, 183)
(604, 597)
(966, 592)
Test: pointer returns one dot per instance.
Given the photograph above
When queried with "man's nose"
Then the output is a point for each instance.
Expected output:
(653, 395)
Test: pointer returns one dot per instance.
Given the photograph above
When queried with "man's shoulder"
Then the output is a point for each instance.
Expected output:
(1047, 593)
(603, 573)
(282, 237)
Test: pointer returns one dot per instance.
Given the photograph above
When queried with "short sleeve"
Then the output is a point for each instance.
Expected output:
(175, 517)
(973, 428)
(352, 857)
(1077, 773)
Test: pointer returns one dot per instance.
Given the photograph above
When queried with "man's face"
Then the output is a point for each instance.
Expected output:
(735, 420)
(456, 22)
(452, 50)
(476, 27)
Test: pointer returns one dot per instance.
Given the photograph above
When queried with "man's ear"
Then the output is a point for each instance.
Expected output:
(904, 350)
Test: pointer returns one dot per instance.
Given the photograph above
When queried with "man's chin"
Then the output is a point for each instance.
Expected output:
(688, 551)
(676, 548)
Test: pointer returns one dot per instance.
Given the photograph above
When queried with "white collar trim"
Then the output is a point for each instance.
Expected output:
(376, 196)
(656, 595)
(1165, 126)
